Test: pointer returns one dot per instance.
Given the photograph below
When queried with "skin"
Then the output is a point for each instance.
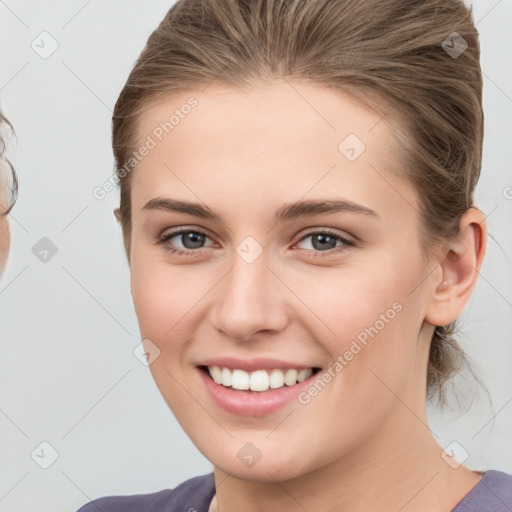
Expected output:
(4, 242)
(363, 442)
(5, 236)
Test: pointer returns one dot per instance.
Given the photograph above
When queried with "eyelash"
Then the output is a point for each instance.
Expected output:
(347, 244)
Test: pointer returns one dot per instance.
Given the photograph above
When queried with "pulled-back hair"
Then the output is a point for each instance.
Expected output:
(416, 63)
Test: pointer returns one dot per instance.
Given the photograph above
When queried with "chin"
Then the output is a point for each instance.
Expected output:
(258, 461)
(264, 471)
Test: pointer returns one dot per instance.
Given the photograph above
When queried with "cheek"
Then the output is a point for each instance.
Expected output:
(161, 306)
(150, 295)
(366, 321)
(167, 299)
(345, 302)
(157, 303)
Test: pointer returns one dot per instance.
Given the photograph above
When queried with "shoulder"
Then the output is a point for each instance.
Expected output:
(193, 495)
(493, 493)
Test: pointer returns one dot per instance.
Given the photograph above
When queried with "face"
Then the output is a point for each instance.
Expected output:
(227, 273)
(4, 226)
(4, 242)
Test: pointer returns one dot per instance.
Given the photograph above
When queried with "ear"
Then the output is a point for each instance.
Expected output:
(461, 261)
(117, 213)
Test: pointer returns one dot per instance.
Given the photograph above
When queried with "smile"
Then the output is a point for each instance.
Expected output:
(259, 380)
(254, 387)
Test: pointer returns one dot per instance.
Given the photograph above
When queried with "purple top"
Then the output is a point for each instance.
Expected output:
(493, 493)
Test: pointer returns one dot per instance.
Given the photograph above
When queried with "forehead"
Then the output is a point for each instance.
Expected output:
(297, 111)
(274, 136)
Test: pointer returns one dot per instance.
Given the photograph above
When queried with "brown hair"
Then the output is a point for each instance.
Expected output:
(4, 122)
(406, 60)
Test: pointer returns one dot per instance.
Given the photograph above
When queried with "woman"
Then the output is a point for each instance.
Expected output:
(297, 208)
(8, 191)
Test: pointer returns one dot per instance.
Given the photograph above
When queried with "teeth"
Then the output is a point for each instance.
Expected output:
(240, 379)
(276, 379)
(259, 380)
(304, 374)
(216, 374)
(290, 377)
(225, 377)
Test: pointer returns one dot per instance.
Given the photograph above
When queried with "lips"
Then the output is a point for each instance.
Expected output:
(254, 387)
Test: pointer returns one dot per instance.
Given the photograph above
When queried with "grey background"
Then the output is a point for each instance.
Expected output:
(68, 375)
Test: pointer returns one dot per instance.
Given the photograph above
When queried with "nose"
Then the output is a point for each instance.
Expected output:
(250, 300)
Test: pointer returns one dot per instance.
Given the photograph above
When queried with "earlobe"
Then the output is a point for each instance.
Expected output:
(460, 265)
(117, 213)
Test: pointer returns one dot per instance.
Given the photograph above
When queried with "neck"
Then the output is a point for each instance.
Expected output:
(398, 469)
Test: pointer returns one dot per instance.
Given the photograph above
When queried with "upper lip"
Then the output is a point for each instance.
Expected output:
(250, 365)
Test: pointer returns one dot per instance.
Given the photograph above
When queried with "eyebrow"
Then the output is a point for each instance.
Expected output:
(307, 208)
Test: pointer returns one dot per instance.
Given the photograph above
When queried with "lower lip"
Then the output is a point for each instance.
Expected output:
(257, 403)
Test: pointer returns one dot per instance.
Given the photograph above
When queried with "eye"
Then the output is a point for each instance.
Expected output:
(192, 241)
(326, 241)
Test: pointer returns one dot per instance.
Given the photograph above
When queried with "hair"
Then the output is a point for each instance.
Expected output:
(389, 55)
(5, 163)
